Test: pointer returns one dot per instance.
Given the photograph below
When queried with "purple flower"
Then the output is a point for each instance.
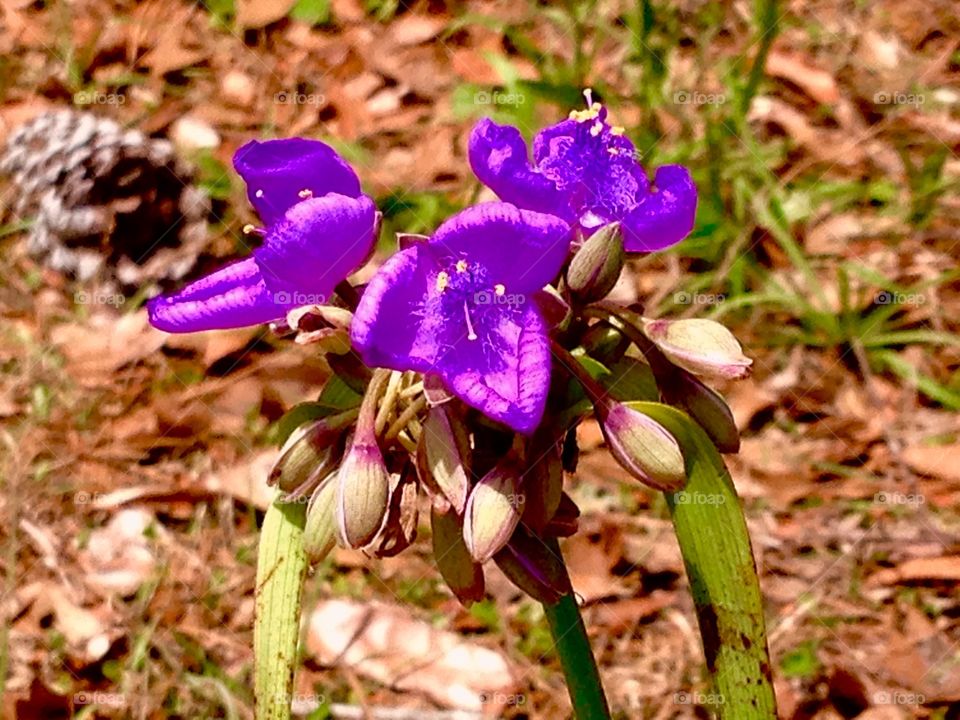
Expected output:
(586, 172)
(319, 228)
(461, 305)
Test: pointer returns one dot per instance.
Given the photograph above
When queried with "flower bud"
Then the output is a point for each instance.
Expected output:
(702, 347)
(310, 454)
(462, 574)
(314, 317)
(493, 511)
(604, 342)
(440, 457)
(319, 533)
(533, 567)
(642, 446)
(596, 267)
(555, 310)
(710, 410)
(399, 527)
(543, 482)
(363, 493)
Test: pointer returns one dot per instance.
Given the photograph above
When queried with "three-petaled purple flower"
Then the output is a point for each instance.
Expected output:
(318, 228)
(586, 172)
(462, 305)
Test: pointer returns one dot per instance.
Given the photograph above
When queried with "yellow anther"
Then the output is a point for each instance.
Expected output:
(248, 228)
(582, 116)
(443, 279)
(499, 289)
(617, 130)
(596, 129)
(462, 266)
(305, 193)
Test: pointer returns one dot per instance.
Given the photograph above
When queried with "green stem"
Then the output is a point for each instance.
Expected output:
(576, 657)
(281, 569)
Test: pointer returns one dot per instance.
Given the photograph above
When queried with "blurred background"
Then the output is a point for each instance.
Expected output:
(824, 138)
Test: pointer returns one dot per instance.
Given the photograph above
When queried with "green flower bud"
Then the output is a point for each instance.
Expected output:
(363, 493)
(493, 511)
(462, 574)
(702, 347)
(642, 446)
(596, 267)
(440, 457)
(310, 453)
(603, 342)
(319, 533)
(710, 410)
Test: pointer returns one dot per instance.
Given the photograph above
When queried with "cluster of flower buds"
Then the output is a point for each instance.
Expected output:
(461, 371)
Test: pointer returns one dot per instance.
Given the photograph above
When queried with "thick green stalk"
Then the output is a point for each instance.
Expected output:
(281, 569)
(712, 533)
(576, 657)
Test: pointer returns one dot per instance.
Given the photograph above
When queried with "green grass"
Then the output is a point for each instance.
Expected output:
(743, 199)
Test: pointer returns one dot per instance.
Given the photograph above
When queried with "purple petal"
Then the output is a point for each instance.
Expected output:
(543, 141)
(498, 156)
(277, 171)
(665, 217)
(520, 249)
(316, 244)
(391, 327)
(510, 384)
(234, 296)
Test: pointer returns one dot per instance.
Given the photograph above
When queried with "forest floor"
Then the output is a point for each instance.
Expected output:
(827, 239)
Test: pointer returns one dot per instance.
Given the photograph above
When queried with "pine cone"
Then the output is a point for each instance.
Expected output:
(109, 205)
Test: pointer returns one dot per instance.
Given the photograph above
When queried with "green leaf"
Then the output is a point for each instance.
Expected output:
(312, 12)
(281, 569)
(296, 416)
(712, 532)
(337, 395)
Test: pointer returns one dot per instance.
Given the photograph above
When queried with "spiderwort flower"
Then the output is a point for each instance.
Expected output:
(461, 305)
(319, 228)
(586, 171)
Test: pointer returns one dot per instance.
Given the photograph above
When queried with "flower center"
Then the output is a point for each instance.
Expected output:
(595, 165)
(465, 291)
